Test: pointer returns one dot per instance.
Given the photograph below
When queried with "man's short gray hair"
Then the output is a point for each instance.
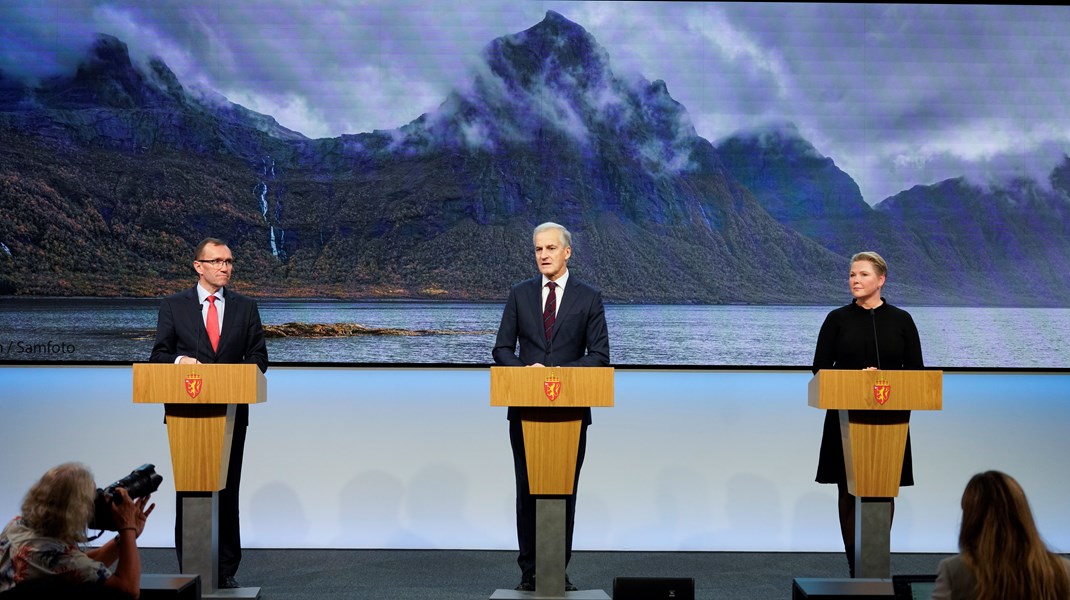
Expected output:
(566, 237)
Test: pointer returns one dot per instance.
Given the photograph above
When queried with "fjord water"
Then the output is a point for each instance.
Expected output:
(57, 329)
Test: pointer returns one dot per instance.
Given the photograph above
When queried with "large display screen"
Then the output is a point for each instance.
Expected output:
(377, 170)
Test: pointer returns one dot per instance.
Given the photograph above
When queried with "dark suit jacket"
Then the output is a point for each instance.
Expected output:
(180, 332)
(579, 339)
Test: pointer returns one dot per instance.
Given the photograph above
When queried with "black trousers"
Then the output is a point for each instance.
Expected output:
(525, 502)
(229, 529)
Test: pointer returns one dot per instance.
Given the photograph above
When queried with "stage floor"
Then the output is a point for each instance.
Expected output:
(286, 574)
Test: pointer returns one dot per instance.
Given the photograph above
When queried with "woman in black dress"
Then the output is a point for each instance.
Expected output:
(868, 333)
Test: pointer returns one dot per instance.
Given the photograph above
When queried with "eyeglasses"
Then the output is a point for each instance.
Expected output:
(218, 263)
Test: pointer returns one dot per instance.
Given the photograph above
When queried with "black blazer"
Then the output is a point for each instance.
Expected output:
(180, 332)
(579, 339)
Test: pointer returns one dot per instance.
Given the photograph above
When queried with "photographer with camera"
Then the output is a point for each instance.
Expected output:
(39, 550)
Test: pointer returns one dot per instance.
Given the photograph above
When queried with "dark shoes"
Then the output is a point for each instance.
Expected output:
(227, 582)
(527, 584)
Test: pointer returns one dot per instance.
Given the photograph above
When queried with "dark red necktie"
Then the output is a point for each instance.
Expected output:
(212, 323)
(550, 314)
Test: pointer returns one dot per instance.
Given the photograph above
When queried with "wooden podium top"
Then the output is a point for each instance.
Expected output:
(199, 384)
(550, 387)
(857, 389)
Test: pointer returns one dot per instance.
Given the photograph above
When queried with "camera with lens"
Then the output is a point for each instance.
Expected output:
(142, 481)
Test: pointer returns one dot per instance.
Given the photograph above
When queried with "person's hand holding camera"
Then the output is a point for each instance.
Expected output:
(131, 514)
(128, 517)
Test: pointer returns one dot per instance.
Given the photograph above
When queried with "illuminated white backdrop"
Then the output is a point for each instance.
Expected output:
(407, 458)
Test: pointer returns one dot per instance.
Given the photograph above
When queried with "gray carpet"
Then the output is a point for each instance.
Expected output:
(475, 574)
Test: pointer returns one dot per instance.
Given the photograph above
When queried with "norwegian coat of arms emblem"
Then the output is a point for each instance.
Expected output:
(882, 390)
(552, 387)
(193, 385)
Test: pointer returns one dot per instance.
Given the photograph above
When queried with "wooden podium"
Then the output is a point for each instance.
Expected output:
(874, 420)
(552, 400)
(200, 403)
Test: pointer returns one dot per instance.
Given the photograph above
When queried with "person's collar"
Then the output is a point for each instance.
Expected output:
(560, 281)
(854, 302)
(202, 294)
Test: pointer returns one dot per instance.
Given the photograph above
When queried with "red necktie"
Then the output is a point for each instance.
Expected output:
(550, 314)
(212, 323)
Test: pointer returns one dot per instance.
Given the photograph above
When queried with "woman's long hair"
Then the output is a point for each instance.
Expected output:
(1001, 546)
(60, 504)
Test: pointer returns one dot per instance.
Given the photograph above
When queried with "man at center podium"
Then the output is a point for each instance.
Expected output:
(556, 320)
(209, 323)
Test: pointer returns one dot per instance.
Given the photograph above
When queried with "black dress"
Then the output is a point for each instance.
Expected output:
(847, 341)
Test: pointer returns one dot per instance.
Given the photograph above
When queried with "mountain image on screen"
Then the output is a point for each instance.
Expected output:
(110, 175)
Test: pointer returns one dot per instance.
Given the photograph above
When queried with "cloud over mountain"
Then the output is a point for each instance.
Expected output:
(554, 76)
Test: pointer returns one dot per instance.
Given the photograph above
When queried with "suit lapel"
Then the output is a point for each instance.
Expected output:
(568, 300)
(534, 293)
(228, 320)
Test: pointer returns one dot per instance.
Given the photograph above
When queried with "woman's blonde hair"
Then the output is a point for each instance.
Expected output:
(1000, 543)
(60, 504)
(873, 257)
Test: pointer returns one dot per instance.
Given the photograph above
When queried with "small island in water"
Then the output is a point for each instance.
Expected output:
(314, 330)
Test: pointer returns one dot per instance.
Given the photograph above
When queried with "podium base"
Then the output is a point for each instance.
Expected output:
(577, 595)
(242, 592)
(200, 539)
(873, 539)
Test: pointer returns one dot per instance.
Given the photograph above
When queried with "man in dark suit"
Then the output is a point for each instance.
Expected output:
(211, 324)
(557, 321)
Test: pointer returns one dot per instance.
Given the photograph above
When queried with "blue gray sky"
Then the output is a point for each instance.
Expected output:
(897, 95)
